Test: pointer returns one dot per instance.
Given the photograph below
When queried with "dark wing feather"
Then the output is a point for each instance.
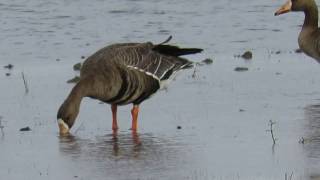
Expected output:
(175, 50)
(155, 60)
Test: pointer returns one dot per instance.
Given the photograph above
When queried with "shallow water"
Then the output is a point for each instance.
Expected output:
(224, 114)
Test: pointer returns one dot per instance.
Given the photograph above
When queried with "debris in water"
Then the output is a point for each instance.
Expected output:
(77, 67)
(82, 57)
(194, 74)
(25, 83)
(179, 127)
(298, 51)
(74, 80)
(25, 129)
(241, 69)
(1, 126)
(8, 74)
(58, 59)
(271, 123)
(241, 110)
(207, 61)
(247, 55)
(278, 52)
(303, 140)
(9, 66)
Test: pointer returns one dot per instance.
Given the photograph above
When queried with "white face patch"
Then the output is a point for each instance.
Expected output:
(64, 128)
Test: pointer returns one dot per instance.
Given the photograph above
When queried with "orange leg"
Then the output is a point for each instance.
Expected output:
(135, 138)
(134, 113)
(114, 117)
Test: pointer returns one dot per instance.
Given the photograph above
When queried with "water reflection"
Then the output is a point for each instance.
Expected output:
(126, 153)
(312, 138)
(114, 144)
(312, 114)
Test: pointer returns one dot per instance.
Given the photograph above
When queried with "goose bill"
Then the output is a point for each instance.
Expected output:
(284, 8)
(63, 127)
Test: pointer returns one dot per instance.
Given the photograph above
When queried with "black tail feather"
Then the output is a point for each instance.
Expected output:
(166, 41)
(175, 51)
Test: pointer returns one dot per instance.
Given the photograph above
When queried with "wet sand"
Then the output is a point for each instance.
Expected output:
(223, 114)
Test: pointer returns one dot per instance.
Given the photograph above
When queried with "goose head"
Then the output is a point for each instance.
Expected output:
(295, 5)
(66, 117)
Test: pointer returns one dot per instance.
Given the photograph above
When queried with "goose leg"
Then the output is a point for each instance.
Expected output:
(114, 117)
(134, 113)
(135, 138)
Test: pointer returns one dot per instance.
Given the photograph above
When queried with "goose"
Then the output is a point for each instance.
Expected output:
(309, 37)
(121, 74)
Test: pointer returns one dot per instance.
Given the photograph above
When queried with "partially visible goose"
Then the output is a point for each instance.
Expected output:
(309, 37)
(121, 74)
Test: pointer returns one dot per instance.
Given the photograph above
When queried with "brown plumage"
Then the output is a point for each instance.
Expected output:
(309, 37)
(122, 74)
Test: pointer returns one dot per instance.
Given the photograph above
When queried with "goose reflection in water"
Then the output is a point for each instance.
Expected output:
(135, 144)
(120, 155)
(122, 146)
(312, 138)
(118, 145)
(312, 115)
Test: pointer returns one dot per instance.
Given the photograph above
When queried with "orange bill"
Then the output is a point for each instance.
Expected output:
(284, 8)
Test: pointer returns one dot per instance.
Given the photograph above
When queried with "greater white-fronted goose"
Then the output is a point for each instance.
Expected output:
(309, 37)
(121, 74)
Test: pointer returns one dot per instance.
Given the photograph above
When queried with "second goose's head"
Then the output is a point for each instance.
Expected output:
(66, 117)
(295, 5)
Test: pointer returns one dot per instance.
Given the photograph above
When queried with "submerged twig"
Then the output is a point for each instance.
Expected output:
(1, 126)
(271, 123)
(25, 83)
(195, 70)
(288, 177)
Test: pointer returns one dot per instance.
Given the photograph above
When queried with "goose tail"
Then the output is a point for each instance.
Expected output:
(176, 51)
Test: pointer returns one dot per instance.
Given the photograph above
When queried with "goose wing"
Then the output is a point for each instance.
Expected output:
(158, 61)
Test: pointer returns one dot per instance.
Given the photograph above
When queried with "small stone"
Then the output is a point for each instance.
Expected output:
(77, 67)
(58, 59)
(9, 66)
(25, 129)
(241, 69)
(241, 110)
(83, 57)
(74, 80)
(179, 127)
(298, 51)
(278, 52)
(8, 74)
(207, 61)
(247, 55)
